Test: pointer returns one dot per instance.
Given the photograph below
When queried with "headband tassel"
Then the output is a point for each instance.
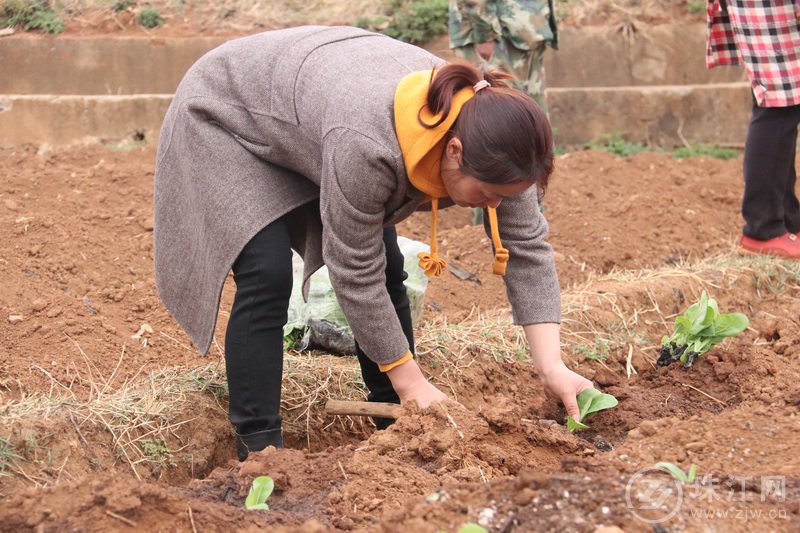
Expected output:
(430, 262)
(500, 253)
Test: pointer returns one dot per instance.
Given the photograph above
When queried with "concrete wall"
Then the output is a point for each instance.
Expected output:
(648, 84)
(64, 120)
(589, 57)
(659, 116)
(97, 65)
(654, 55)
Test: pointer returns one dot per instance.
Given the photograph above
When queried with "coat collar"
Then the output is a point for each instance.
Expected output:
(422, 147)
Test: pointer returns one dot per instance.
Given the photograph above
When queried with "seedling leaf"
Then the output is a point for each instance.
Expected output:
(676, 472)
(573, 424)
(590, 401)
(692, 473)
(730, 324)
(600, 402)
(471, 528)
(259, 492)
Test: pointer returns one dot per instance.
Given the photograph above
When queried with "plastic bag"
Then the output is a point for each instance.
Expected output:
(320, 322)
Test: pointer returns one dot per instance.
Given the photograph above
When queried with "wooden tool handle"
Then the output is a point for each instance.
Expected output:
(381, 410)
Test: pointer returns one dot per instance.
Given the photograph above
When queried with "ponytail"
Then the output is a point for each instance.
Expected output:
(505, 134)
(451, 78)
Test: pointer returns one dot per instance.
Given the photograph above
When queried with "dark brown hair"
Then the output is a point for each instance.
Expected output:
(506, 136)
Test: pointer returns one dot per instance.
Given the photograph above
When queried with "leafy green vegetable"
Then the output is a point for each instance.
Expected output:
(699, 329)
(677, 473)
(471, 528)
(590, 401)
(433, 497)
(259, 492)
(573, 424)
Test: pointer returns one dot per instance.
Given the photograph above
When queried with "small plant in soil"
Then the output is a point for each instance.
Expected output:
(616, 144)
(590, 401)
(7, 456)
(695, 7)
(259, 493)
(598, 352)
(700, 328)
(158, 452)
(705, 150)
(412, 21)
(218, 388)
(31, 15)
(121, 5)
(676, 472)
(472, 528)
(150, 17)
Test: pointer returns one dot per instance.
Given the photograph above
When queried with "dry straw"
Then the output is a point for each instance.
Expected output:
(143, 416)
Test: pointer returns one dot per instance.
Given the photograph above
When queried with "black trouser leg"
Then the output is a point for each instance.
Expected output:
(254, 338)
(378, 384)
(791, 205)
(769, 206)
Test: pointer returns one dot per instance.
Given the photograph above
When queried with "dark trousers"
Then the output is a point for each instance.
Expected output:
(769, 206)
(254, 338)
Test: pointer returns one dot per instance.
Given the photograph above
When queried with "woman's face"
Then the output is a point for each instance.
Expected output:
(468, 191)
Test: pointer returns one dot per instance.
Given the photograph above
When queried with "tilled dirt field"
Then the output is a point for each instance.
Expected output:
(109, 425)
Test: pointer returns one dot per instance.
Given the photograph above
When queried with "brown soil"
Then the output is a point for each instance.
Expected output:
(77, 260)
(86, 388)
(695, 203)
(78, 251)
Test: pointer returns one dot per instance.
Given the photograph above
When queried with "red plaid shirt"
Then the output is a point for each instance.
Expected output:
(765, 36)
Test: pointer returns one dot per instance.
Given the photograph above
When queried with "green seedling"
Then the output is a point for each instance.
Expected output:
(705, 150)
(259, 493)
(472, 528)
(433, 497)
(700, 328)
(31, 15)
(150, 18)
(158, 452)
(695, 7)
(417, 21)
(590, 401)
(677, 473)
(7, 456)
(616, 144)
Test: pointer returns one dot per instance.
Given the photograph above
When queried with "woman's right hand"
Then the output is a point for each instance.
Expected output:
(410, 384)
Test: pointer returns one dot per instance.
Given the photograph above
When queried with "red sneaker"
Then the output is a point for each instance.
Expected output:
(787, 245)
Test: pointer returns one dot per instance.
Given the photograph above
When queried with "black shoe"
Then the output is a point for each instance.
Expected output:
(257, 441)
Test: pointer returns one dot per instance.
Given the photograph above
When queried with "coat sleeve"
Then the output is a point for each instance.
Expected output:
(359, 175)
(531, 278)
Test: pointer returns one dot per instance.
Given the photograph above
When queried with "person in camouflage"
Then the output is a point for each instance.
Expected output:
(510, 35)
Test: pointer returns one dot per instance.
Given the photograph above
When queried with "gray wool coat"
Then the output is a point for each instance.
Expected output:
(301, 120)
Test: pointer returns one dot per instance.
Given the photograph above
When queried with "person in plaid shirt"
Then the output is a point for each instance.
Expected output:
(764, 35)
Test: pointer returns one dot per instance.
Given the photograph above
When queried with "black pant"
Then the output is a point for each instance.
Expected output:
(769, 206)
(254, 338)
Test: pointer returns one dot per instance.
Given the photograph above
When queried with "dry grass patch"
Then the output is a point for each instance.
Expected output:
(145, 422)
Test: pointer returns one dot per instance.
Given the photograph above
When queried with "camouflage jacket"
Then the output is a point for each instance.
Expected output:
(523, 22)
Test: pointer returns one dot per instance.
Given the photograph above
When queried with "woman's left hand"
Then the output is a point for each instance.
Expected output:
(566, 384)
